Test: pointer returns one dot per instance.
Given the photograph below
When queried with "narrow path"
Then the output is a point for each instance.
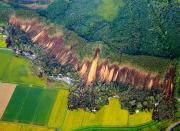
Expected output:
(170, 128)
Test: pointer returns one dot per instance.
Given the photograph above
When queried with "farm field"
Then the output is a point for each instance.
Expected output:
(17, 69)
(48, 107)
(36, 102)
(7, 126)
(17, 100)
(59, 110)
(6, 91)
(109, 115)
(45, 106)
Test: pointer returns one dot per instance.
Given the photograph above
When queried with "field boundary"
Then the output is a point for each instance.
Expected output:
(117, 128)
(24, 124)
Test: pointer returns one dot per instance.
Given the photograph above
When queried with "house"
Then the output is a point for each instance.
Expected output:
(137, 111)
(32, 57)
(66, 79)
(1, 30)
(60, 77)
(17, 51)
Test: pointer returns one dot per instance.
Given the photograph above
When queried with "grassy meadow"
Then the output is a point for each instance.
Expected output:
(16, 69)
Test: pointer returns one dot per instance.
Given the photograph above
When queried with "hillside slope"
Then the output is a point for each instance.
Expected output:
(131, 26)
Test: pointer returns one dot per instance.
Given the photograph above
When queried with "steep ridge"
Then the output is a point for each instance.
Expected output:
(92, 70)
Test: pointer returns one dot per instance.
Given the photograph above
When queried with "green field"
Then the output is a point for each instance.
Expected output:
(30, 105)
(16, 102)
(45, 106)
(15, 69)
(2, 42)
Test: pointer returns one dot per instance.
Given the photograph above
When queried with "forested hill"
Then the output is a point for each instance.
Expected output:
(149, 27)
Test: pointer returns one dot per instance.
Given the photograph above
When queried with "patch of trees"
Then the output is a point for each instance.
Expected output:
(148, 27)
(131, 98)
(165, 110)
(5, 13)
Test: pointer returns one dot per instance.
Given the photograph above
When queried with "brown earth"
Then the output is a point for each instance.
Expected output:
(6, 91)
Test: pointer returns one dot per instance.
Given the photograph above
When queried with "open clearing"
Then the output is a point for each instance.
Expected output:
(6, 91)
(16, 69)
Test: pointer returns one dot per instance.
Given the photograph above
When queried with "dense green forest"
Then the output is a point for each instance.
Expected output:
(149, 27)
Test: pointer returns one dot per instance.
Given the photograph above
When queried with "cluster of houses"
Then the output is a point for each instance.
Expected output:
(60, 77)
(27, 54)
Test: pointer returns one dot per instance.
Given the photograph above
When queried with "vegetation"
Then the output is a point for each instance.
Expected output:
(5, 13)
(133, 27)
(22, 41)
(44, 65)
(29, 105)
(59, 110)
(165, 110)
(132, 99)
(17, 69)
(8, 126)
(177, 79)
(13, 109)
(37, 103)
(109, 9)
(2, 42)
(124, 27)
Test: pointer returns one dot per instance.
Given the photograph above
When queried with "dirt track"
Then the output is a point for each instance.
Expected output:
(6, 91)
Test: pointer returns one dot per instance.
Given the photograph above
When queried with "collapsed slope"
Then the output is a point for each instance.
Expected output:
(92, 70)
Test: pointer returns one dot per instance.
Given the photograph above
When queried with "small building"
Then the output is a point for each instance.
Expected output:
(137, 111)
(60, 77)
(1, 30)
(156, 104)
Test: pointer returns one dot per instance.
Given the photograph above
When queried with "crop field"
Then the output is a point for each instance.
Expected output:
(17, 69)
(139, 118)
(109, 115)
(45, 106)
(7, 126)
(15, 104)
(30, 105)
(6, 91)
(59, 110)
(48, 107)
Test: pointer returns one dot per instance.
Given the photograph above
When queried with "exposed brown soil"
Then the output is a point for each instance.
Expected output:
(6, 91)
